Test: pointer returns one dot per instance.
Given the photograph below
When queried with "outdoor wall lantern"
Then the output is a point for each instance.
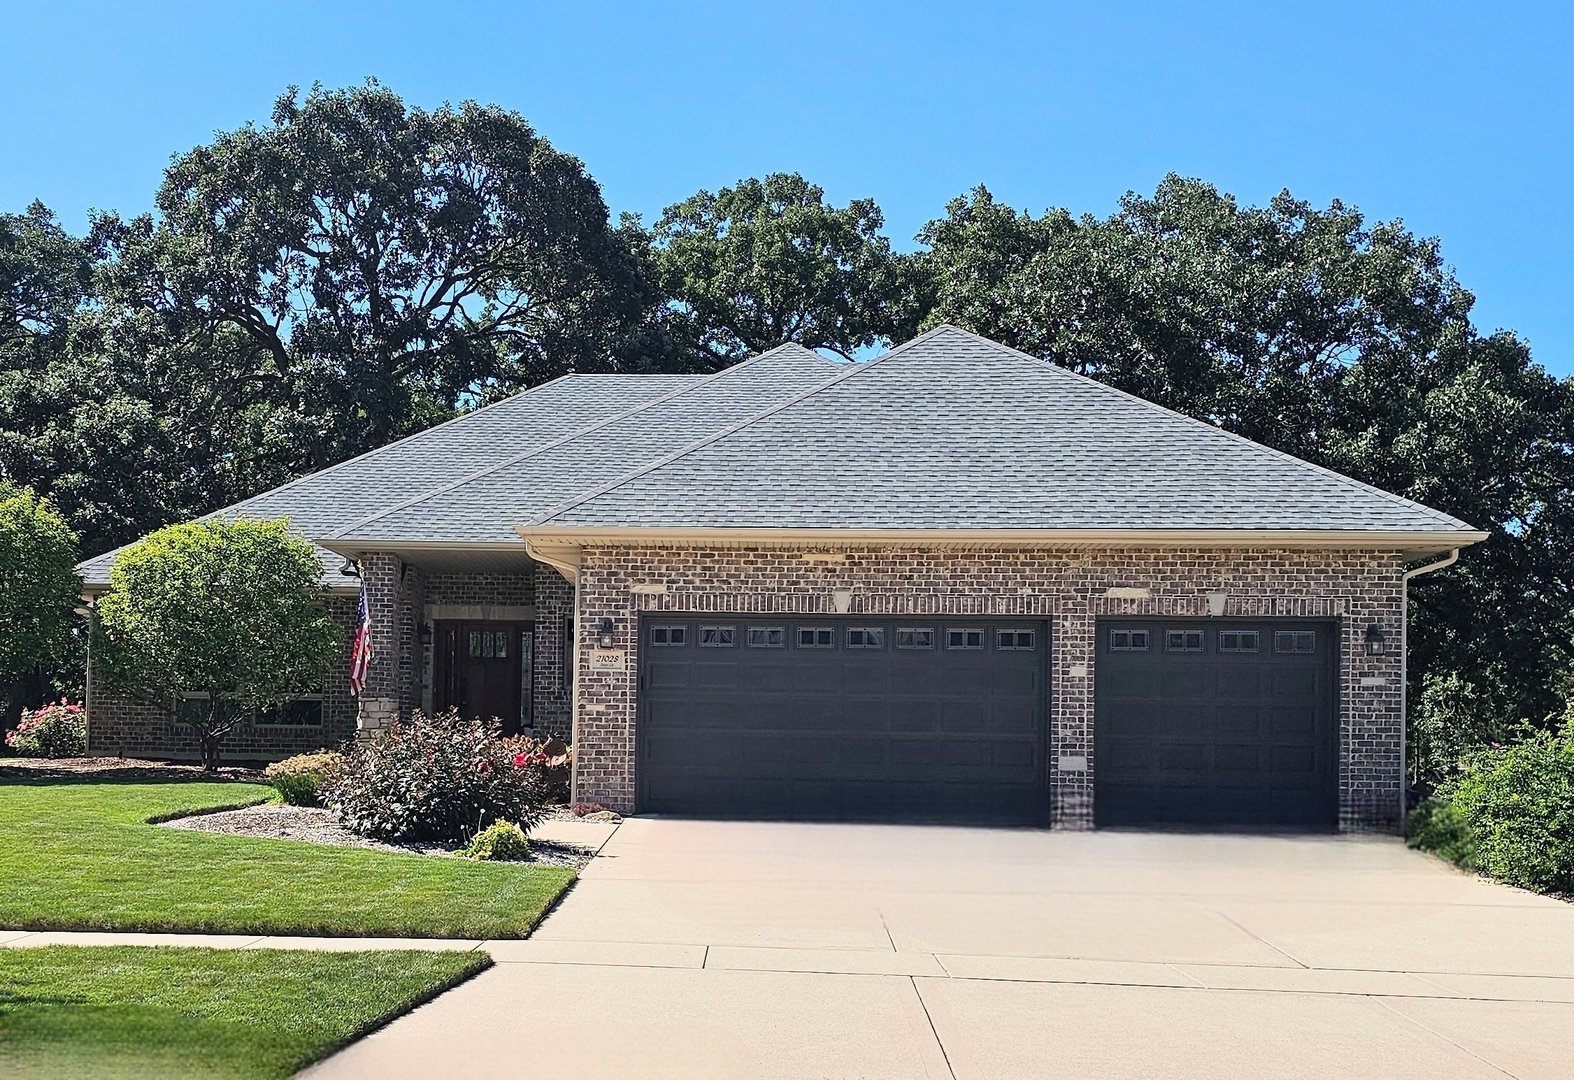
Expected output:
(604, 634)
(350, 568)
(1376, 641)
(424, 633)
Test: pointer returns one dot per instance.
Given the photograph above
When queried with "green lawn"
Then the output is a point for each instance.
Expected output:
(206, 1014)
(81, 856)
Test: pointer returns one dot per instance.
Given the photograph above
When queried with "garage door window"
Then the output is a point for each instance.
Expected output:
(915, 637)
(964, 639)
(816, 637)
(669, 635)
(1294, 641)
(1128, 641)
(1018, 640)
(1183, 641)
(767, 637)
(865, 637)
(1238, 641)
(718, 637)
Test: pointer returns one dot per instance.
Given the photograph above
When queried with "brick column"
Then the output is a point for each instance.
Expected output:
(378, 704)
(551, 679)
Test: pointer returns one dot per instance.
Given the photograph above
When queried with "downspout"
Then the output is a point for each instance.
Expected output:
(1404, 673)
(566, 562)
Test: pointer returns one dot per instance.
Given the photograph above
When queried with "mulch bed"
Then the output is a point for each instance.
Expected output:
(127, 770)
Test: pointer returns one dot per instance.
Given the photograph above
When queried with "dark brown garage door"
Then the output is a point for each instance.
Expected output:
(927, 719)
(1216, 722)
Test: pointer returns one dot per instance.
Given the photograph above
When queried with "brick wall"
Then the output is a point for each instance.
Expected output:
(118, 726)
(1356, 588)
(553, 690)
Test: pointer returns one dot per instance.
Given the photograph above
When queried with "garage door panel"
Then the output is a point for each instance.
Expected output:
(671, 675)
(1216, 738)
(938, 734)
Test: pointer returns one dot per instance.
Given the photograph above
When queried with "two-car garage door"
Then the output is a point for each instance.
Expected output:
(1214, 722)
(928, 719)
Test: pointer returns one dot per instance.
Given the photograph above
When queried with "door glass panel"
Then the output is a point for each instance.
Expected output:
(486, 643)
(475, 643)
(502, 644)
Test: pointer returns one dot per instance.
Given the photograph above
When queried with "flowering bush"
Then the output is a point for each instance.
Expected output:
(552, 757)
(501, 841)
(56, 730)
(435, 778)
(299, 780)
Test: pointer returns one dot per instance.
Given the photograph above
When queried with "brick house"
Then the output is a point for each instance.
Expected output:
(950, 583)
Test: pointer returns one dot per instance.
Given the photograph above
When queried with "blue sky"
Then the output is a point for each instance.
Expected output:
(1455, 117)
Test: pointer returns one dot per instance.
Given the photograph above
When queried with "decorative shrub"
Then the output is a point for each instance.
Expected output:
(1510, 812)
(53, 731)
(299, 780)
(435, 778)
(1438, 826)
(553, 757)
(501, 841)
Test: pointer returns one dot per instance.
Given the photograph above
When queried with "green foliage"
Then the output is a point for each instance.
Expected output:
(38, 583)
(501, 841)
(205, 1014)
(80, 855)
(436, 777)
(233, 610)
(769, 262)
(299, 780)
(1510, 812)
(57, 730)
(1438, 826)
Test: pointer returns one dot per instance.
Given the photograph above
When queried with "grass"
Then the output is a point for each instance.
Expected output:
(206, 1014)
(80, 855)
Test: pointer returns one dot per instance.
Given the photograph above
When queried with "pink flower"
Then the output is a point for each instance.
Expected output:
(521, 760)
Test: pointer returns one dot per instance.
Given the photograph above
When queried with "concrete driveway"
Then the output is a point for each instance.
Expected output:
(700, 949)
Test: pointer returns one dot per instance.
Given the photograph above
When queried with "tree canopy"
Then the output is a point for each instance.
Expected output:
(39, 586)
(232, 611)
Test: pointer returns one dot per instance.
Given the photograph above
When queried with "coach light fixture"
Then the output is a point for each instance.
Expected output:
(1376, 641)
(424, 633)
(350, 568)
(604, 634)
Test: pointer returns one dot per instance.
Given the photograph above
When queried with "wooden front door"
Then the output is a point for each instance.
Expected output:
(483, 670)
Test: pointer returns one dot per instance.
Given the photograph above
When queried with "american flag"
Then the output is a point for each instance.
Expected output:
(361, 651)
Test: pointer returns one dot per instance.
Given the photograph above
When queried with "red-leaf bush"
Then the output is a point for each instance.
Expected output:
(435, 778)
(57, 730)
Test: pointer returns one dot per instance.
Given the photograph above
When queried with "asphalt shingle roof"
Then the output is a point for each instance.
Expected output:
(953, 431)
(950, 431)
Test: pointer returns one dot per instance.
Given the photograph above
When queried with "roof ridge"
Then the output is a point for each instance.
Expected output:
(854, 368)
(343, 531)
(1063, 371)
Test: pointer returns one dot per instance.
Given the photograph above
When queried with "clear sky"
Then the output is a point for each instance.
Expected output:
(1455, 117)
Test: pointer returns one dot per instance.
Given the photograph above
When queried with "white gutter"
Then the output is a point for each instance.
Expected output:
(1404, 671)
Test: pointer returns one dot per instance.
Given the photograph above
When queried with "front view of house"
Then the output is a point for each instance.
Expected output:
(953, 583)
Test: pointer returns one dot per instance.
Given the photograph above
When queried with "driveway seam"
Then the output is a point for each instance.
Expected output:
(1257, 937)
(1438, 1034)
(922, 1004)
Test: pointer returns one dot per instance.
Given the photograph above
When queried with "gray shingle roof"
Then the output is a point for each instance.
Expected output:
(488, 505)
(953, 431)
(948, 432)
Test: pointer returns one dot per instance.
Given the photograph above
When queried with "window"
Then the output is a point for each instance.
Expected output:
(767, 637)
(488, 644)
(669, 635)
(1294, 641)
(1013, 640)
(866, 637)
(963, 638)
(1237, 641)
(816, 637)
(1128, 641)
(304, 711)
(1183, 641)
(915, 637)
(718, 637)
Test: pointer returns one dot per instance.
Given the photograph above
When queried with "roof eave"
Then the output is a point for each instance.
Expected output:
(1413, 544)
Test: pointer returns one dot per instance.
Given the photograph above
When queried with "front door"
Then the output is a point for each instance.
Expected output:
(483, 670)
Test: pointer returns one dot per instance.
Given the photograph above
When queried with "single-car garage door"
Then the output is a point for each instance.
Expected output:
(929, 719)
(1216, 722)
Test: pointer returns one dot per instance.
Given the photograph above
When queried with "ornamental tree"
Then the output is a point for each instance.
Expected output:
(38, 584)
(228, 616)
